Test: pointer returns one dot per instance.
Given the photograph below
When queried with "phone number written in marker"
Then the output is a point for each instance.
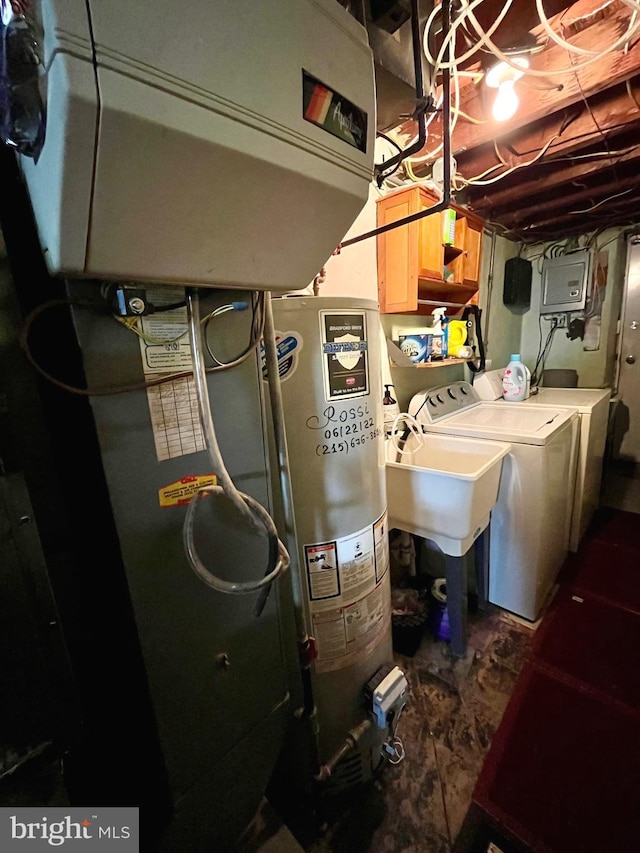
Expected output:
(351, 444)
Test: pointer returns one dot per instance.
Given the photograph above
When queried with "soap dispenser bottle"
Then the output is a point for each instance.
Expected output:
(390, 410)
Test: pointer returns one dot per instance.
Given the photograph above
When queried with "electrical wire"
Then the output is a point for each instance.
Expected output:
(603, 201)
(107, 390)
(383, 177)
(485, 39)
(573, 48)
(466, 16)
(449, 39)
(543, 352)
(257, 326)
(477, 180)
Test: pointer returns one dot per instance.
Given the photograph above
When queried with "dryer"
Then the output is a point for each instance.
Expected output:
(592, 407)
(531, 519)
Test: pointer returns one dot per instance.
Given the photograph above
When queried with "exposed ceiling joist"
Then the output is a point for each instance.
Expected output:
(568, 158)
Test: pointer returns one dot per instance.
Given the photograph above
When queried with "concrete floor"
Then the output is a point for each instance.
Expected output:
(621, 486)
(454, 708)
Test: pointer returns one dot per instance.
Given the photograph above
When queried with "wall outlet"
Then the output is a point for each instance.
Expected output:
(559, 319)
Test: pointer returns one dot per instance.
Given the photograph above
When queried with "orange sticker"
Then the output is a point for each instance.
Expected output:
(181, 492)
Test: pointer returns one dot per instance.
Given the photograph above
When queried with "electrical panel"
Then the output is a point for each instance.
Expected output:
(564, 282)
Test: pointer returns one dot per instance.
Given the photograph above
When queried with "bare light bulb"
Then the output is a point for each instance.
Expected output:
(502, 76)
(506, 102)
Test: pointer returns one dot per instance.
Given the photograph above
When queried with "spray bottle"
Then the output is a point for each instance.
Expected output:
(441, 330)
(390, 410)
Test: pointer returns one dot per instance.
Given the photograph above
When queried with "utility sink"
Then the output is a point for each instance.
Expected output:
(445, 489)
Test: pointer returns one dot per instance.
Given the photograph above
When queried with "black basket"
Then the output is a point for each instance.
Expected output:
(407, 631)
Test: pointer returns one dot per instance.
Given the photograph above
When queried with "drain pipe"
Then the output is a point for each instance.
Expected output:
(280, 439)
(306, 644)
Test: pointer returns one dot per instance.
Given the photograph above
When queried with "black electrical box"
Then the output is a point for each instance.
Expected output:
(390, 15)
(517, 282)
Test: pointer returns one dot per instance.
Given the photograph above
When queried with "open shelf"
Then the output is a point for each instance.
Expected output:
(445, 362)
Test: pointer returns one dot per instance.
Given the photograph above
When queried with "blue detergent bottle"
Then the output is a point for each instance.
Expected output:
(515, 381)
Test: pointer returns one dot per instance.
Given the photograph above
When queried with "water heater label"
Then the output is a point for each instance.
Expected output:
(344, 354)
(332, 112)
(345, 634)
(348, 593)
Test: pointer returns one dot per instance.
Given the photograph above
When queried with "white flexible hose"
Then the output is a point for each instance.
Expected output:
(412, 424)
(484, 38)
(249, 508)
(437, 62)
(573, 48)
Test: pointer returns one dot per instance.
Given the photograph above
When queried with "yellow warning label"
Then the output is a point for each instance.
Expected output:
(181, 492)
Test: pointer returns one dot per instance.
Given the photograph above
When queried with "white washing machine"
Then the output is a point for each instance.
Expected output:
(592, 406)
(530, 522)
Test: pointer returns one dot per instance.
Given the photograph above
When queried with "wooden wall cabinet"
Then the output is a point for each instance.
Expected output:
(414, 263)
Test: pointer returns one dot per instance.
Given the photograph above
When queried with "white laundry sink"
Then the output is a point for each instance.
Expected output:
(445, 489)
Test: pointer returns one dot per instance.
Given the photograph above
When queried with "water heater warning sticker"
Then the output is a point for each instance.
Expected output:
(349, 595)
(344, 354)
(322, 570)
(288, 346)
(344, 634)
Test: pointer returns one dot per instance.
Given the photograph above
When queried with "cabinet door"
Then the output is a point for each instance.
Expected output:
(397, 255)
(469, 238)
(431, 252)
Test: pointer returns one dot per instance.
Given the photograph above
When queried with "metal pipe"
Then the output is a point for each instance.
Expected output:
(492, 258)
(280, 439)
(350, 742)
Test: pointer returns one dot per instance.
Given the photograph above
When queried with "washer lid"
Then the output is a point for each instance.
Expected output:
(520, 424)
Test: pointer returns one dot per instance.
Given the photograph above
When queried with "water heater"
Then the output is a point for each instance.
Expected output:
(330, 372)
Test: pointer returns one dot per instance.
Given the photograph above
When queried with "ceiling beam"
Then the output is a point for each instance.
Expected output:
(610, 113)
(549, 175)
(614, 67)
(620, 214)
(562, 206)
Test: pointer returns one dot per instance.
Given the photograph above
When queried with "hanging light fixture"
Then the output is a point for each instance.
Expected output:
(502, 77)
